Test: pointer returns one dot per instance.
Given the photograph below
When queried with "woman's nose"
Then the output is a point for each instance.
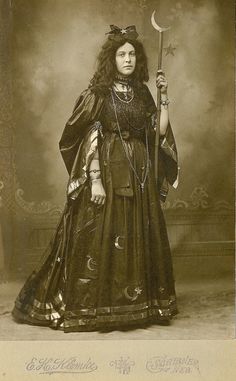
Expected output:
(127, 59)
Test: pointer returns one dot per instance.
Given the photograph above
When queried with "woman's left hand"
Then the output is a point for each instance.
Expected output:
(161, 81)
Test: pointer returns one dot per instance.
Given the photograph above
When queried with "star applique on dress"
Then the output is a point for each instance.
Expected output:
(138, 290)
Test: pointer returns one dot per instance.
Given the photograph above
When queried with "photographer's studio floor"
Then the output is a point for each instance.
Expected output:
(206, 312)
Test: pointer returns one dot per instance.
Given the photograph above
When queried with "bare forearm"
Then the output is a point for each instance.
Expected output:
(94, 165)
(98, 193)
(164, 117)
(162, 84)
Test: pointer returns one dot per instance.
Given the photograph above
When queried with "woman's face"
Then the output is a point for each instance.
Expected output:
(125, 59)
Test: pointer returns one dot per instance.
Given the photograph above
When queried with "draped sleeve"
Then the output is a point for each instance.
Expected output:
(79, 139)
(168, 157)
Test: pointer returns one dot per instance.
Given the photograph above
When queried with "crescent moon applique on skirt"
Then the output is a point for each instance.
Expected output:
(118, 244)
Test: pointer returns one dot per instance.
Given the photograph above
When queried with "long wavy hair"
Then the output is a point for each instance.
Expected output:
(106, 66)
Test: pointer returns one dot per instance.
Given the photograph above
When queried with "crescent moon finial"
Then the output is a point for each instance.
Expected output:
(155, 25)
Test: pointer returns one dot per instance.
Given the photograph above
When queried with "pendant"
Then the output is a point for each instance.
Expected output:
(142, 187)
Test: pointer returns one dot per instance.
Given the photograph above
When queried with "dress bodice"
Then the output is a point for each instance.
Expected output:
(131, 115)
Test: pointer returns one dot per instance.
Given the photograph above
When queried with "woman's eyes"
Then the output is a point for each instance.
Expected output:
(123, 54)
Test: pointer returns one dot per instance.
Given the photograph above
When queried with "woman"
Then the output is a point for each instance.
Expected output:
(109, 264)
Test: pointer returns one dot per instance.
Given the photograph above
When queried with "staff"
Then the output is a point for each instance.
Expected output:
(159, 64)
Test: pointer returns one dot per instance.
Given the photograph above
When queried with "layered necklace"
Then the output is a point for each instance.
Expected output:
(127, 90)
(142, 180)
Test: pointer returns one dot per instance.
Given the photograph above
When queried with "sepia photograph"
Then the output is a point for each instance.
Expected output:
(116, 182)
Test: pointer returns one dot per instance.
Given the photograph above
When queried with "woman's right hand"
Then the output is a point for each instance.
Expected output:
(98, 192)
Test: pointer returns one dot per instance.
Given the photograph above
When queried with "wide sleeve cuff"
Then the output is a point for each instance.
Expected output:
(85, 154)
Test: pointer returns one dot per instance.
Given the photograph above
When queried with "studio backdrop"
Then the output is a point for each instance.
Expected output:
(48, 55)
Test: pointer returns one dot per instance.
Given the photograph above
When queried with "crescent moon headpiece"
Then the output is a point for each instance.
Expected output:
(118, 34)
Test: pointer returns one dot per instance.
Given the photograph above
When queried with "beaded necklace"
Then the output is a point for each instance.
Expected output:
(127, 100)
(125, 83)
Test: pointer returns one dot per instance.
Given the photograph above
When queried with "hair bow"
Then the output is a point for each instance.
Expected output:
(117, 34)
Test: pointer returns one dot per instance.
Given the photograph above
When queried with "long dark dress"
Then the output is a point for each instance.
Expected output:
(107, 266)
